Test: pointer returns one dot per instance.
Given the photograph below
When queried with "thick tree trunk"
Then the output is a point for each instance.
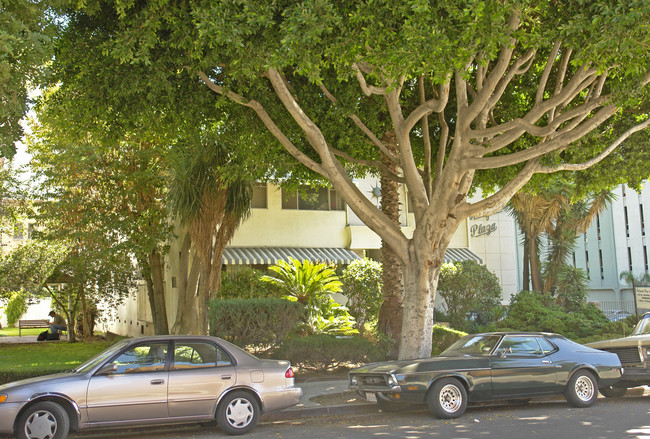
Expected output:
(390, 314)
(157, 292)
(420, 282)
(526, 274)
(186, 321)
(535, 268)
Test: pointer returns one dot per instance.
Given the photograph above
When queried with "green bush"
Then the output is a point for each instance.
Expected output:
(245, 283)
(469, 288)
(362, 286)
(258, 324)
(534, 311)
(443, 337)
(323, 353)
(16, 307)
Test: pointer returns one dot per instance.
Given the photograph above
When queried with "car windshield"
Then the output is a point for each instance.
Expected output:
(473, 345)
(643, 327)
(99, 358)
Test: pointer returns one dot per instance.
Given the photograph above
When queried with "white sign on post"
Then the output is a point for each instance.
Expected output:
(643, 297)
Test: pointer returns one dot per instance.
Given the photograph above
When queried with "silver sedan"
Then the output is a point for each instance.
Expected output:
(151, 380)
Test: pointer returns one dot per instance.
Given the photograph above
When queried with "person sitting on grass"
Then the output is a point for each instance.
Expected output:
(57, 323)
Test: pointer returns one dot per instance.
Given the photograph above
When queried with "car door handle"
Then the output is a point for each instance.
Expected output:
(155, 382)
(226, 377)
(547, 362)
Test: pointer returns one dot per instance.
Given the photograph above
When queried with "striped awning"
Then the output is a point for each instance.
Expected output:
(461, 254)
(270, 255)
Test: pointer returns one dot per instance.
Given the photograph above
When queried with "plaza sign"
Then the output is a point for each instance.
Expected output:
(643, 297)
(482, 229)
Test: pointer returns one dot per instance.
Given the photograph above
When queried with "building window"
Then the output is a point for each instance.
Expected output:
(627, 222)
(642, 220)
(308, 198)
(260, 198)
(602, 267)
(18, 231)
(587, 263)
(31, 228)
(598, 226)
(645, 258)
(629, 258)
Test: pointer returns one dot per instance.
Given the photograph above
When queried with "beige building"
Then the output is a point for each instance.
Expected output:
(316, 224)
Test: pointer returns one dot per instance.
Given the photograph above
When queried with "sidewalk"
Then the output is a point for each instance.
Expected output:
(323, 396)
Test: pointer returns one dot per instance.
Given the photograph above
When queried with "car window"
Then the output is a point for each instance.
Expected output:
(194, 355)
(472, 345)
(146, 357)
(547, 346)
(520, 345)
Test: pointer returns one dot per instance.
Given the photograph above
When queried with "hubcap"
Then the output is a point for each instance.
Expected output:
(41, 425)
(584, 388)
(450, 398)
(239, 413)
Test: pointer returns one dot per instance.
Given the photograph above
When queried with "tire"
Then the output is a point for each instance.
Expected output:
(582, 389)
(238, 413)
(43, 420)
(447, 398)
(613, 392)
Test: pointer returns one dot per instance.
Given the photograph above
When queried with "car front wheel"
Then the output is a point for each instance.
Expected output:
(447, 398)
(43, 420)
(582, 389)
(238, 413)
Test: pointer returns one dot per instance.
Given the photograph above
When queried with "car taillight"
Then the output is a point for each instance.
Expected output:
(289, 373)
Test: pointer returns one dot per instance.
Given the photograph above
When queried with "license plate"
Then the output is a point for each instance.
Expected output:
(371, 397)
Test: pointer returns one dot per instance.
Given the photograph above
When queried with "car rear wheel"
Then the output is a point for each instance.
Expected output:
(582, 389)
(238, 413)
(613, 392)
(43, 420)
(447, 398)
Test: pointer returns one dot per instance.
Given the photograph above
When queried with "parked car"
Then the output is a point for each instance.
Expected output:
(490, 366)
(617, 315)
(634, 353)
(151, 380)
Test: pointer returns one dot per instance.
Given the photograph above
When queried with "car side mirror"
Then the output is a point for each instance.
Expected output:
(107, 369)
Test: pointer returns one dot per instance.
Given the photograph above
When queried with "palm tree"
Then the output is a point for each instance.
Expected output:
(210, 209)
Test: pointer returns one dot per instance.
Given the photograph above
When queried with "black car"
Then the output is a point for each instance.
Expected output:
(490, 366)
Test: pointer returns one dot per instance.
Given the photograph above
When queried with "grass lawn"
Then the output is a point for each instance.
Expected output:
(45, 357)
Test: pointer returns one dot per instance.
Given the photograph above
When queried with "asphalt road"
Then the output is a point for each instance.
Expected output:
(627, 418)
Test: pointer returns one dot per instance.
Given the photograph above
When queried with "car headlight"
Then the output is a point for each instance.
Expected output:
(3, 398)
(392, 381)
(646, 353)
(353, 381)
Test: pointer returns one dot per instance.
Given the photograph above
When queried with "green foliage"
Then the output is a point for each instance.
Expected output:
(443, 337)
(255, 323)
(534, 311)
(469, 288)
(324, 352)
(245, 282)
(16, 307)
(362, 284)
(19, 361)
(571, 286)
(311, 285)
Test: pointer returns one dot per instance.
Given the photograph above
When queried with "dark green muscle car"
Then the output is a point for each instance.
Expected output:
(490, 366)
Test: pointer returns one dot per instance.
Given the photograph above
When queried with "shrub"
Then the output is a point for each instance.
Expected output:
(362, 286)
(323, 353)
(245, 283)
(312, 285)
(16, 307)
(469, 288)
(443, 337)
(534, 311)
(258, 324)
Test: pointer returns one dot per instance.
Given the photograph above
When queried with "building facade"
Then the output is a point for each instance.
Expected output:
(315, 224)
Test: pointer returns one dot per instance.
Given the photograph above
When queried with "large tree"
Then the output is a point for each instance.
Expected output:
(512, 89)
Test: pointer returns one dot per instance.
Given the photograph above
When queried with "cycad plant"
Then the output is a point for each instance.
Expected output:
(312, 284)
